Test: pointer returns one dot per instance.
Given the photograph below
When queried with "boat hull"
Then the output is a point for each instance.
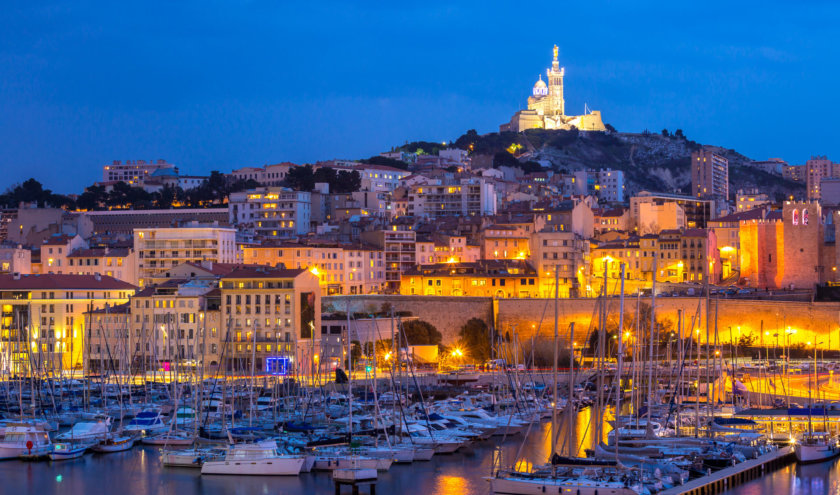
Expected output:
(264, 467)
(806, 454)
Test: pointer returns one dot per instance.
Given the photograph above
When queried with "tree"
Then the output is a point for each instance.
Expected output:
(665, 133)
(385, 161)
(32, 191)
(93, 198)
(346, 181)
(475, 336)
(301, 178)
(419, 332)
(505, 159)
(679, 134)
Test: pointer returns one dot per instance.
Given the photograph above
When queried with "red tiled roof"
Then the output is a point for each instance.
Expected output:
(99, 253)
(61, 281)
(263, 272)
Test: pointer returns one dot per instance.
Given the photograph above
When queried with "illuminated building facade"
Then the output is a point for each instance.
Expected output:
(788, 250)
(709, 175)
(271, 212)
(273, 315)
(159, 249)
(340, 268)
(42, 324)
(547, 107)
(134, 172)
(176, 322)
(483, 278)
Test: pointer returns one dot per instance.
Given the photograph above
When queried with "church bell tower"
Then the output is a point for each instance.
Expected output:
(556, 105)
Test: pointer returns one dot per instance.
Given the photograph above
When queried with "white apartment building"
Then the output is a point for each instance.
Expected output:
(133, 171)
(466, 197)
(271, 212)
(160, 248)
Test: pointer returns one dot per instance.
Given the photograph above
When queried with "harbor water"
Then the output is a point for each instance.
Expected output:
(139, 471)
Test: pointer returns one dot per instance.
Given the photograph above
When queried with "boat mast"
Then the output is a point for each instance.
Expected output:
(620, 360)
(554, 432)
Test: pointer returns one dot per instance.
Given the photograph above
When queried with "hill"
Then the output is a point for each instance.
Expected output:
(649, 161)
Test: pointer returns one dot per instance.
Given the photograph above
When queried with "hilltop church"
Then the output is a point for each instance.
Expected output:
(547, 109)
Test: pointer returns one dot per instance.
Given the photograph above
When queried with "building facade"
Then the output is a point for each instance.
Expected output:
(160, 248)
(709, 175)
(271, 212)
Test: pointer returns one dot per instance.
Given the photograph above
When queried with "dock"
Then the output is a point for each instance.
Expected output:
(727, 478)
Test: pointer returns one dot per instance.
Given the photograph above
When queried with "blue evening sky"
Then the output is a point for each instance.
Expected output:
(219, 85)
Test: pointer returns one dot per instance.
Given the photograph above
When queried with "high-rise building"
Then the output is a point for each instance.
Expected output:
(817, 168)
(709, 175)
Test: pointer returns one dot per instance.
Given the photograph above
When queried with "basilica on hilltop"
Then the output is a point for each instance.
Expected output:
(547, 108)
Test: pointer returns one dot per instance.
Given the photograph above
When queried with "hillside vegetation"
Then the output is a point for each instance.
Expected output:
(650, 161)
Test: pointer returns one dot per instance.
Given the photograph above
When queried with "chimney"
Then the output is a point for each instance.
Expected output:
(207, 264)
(16, 276)
(97, 276)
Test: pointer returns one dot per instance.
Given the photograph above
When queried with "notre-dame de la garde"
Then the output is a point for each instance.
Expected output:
(546, 107)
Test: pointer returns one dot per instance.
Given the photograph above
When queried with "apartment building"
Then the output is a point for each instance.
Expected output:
(505, 242)
(268, 175)
(42, 324)
(133, 172)
(14, 258)
(709, 175)
(176, 323)
(271, 212)
(817, 168)
(399, 245)
(273, 315)
(161, 248)
(465, 197)
(119, 263)
(748, 199)
(483, 278)
(446, 248)
(341, 268)
(564, 252)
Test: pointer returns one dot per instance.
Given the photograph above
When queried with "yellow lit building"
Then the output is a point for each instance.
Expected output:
(340, 268)
(483, 278)
(504, 242)
(43, 326)
(274, 316)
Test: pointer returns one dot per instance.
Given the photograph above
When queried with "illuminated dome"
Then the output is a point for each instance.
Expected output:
(540, 89)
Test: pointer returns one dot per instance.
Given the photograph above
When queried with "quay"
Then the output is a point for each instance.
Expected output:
(729, 477)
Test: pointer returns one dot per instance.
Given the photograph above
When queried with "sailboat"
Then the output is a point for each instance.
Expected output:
(582, 476)
(813, 446)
